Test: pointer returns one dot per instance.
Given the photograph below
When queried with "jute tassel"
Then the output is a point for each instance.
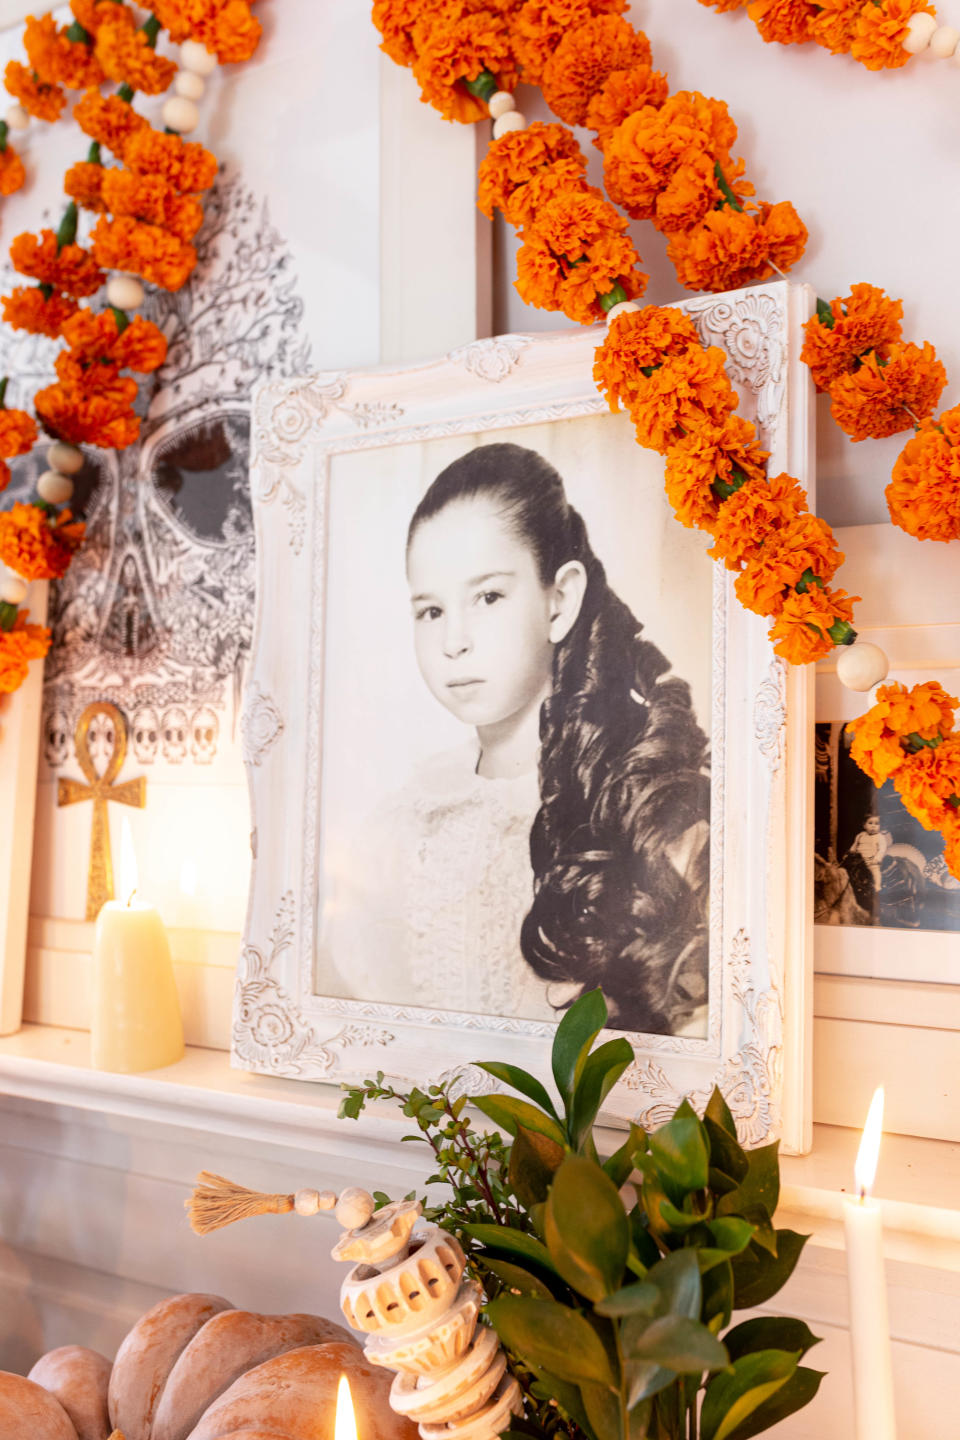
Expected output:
(216, 1202)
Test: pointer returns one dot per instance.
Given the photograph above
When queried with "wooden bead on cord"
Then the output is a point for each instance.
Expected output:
(920, 28)
(125, 292)
(16, 117)
(625, 307)
(188, 84)
(196, 57)
(500, 103)
(511, 120)
(944, 41)
(68, 459)
(861, 665)
(180, 114)
(13, 590)
(55, 488)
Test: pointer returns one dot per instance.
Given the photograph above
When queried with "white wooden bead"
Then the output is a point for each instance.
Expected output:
(354, 1208)
(512, 120)
(189, 84)
(180, 114)
(196, 57)
(920, 28)
(861, 665)
(68, 459)
(55, 488)
(944, 41)
(625, 307)
(13, 590)
(16, 117)
(500, 104)
(327, 1199)
(124, 291)
(306, 1202)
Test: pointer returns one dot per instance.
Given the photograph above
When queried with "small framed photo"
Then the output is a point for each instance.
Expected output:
(885, 904)
(511, 737)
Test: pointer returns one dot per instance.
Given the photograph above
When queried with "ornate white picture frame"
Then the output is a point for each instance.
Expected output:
(758, 1032)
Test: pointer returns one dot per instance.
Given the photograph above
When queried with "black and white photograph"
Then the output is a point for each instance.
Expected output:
(516, 780)
(875, 865)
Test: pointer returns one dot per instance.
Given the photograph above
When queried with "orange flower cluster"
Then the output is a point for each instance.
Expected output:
(18, 433)
(540, 25)
(730, 248)
(145, 250)
(584, 60)
(91, 401)
(29, 309)
(681, 402)
(35, 545)
(67, 268)
(541, 153)
(12, 174)
(144, 197)
(227, 28)
(108, 120)
(43, 102)
(126, 54)
(661, 164)
(58, 60)
(872, 31)
(575, 251)
(923, 496)
(18, 646)
(909, 736)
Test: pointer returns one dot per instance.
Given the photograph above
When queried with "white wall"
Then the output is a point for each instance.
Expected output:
(872, 163)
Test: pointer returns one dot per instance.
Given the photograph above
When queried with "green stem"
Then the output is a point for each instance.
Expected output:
(841, 632)
(121, 317)
(126, 93)
(725, 488)
(482, 86)
(914, 742)
(78, 35)
(3, 391)
(616, 296)
(728, 196)
(8, 615)
(4, 131)
(45, 290)
(151, 28)
(806, 580)
(825, 314)
(93, 154)
(67, 229)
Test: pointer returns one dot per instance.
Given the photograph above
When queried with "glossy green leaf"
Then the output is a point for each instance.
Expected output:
(717, 1303)
(516, 1278)
(621, 1164)
(508, 1113)
(642, 1243)
(534, 1159)
(642, 1298)
(718, 1111)
(549, 1336)
(770, 1332)
(760, 1185)
(586, 1229)
(680, 1221)
(681, 1154)
(603, 1411)
(679, 1344)
(798, 1391)
(726, 1153)
(520, 1080)
(735, 1394)
(730, 1233)
(677, 1277)
(758, 1275)
(601, 1071)
(512, 1242)
(763, 1232)
(568, 1397)
(575, 1034)
(644, 1380)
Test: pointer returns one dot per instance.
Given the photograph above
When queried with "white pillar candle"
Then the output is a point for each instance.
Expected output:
(135, 1012)
(869, 1322)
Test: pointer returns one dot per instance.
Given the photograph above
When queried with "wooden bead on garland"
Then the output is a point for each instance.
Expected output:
(196, 57)
(125, 292)
(511, 120)
(861, 666)
(180, 114)
(920, 28)
(625, 307)
(354, 1208)
(188, 84)
(54, 488)
(500, 103)
(13, 590)
(68, 459)
(944, 41)
(16, 117)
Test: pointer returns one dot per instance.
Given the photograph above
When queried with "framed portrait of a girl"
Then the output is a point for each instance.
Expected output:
(511, 738)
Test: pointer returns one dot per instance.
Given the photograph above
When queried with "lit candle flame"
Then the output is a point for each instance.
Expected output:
(865, 1168)
(128, 862)
(345, 1426)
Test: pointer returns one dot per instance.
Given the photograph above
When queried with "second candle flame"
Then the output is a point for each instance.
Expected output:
(865, 1169)
(345, 1426)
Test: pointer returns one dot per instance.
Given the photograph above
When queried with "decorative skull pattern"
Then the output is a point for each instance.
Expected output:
(56, 738)
(146, 734)
(173, 734)
(203, 730)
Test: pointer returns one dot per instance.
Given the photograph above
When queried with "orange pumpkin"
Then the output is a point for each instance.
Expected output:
(195, 1368)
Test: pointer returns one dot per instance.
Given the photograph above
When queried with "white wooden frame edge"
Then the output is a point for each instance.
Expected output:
(280, 1027)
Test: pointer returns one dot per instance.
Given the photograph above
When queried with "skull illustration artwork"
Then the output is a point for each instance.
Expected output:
(173, 733)
(146, 734)
(101, 740)
(204, 728)
(56, 738)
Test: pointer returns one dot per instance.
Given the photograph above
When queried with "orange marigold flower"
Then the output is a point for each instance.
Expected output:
(752, 515)
(924, 712)
(83, 182)
(680, 394)
(91, 417)
(4, 475)
(880, 399)
(804, 543)
(456, 45)
(866, 319)
(233, 32)
(69, 268)
(110, 121)
(881, 31)
(229, 30)
(924, 492)
(18, 433)
(800, 633)
(639, 340)
(141, 347)
(151, 199)
(35, 546)
(102, 376)
(724, 251)
(951, 847)
(622, 94)
(707, 454)
(512, 161)
(58, 60)
(585, 57)
(184, 164)
(12, 173)
(575, 252)
(929, 781)
(785, 21)
(26, 309)
(18, 646)
(722, 6)
(659, 164)
(94, 336)
(834, 24)
(93, 13)
(394, 19)
(540, 25)
(145, 250)
(127, 56)
(784, 235)
(45, 102)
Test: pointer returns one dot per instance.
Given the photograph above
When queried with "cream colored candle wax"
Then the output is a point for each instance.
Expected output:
(135, 1011)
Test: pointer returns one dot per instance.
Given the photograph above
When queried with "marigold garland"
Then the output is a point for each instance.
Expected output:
(871, 31)
(20, 644)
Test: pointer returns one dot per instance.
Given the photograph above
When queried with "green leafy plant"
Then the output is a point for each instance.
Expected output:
(612, 1281)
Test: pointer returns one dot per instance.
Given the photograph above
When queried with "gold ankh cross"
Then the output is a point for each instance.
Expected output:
(100, 790)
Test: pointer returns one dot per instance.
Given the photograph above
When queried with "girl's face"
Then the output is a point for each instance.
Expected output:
(483, 622)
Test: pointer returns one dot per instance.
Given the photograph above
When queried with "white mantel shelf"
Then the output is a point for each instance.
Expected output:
(919, 1180)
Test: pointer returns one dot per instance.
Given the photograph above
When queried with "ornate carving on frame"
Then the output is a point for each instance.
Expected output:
(261, 725)
(770, 715)
(752, 331)
(491, 359)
